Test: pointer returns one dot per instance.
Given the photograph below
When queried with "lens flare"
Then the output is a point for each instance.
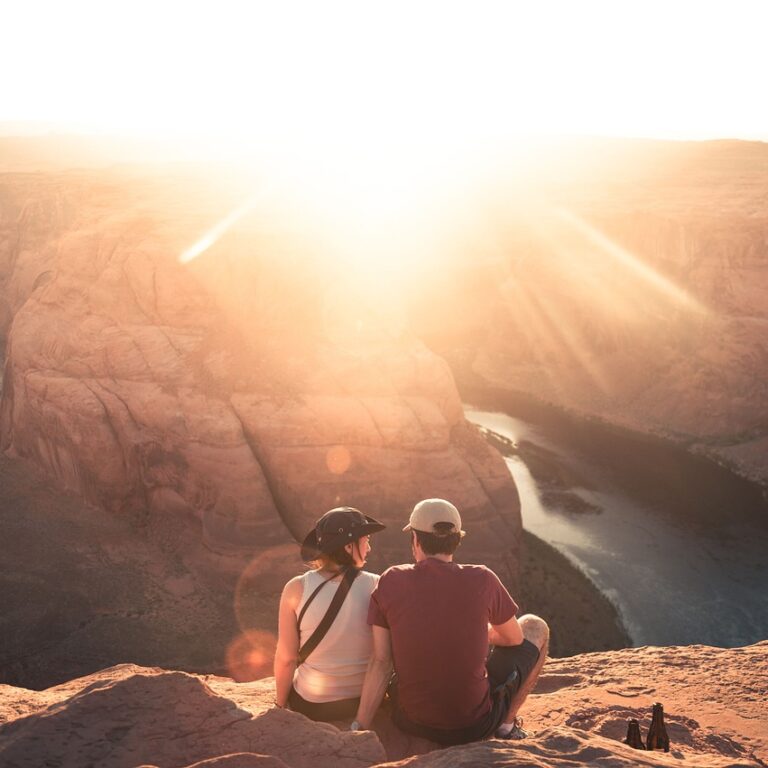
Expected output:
(249, 656)
(218, 230)
(338, 459)
(260, 584)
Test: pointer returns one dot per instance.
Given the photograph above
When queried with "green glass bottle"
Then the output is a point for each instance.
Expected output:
(657, 733)
(634, 739)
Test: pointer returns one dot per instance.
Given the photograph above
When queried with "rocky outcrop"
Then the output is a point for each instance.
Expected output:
(231, 394)
(129, 716)
(81, 590)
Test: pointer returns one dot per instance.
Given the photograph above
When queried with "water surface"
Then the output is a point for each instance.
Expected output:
(679, 544)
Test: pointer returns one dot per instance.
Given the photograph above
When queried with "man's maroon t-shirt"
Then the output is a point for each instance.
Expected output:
(438, 615)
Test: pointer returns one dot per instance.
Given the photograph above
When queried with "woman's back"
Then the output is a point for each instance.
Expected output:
(336, 668)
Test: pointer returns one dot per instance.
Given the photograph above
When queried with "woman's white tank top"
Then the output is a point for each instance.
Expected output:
(336, 668)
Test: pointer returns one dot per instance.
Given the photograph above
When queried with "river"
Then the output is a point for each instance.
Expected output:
(677, 543)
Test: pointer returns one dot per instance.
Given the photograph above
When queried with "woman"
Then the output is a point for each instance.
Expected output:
(326, 685)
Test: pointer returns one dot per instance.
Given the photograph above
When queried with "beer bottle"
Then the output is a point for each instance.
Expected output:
(634, 739)
(657, 733)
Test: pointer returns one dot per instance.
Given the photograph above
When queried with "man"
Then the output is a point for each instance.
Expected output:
(435, 619)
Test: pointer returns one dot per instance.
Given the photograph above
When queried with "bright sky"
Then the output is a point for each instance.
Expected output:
(380, 119)
(365, 72)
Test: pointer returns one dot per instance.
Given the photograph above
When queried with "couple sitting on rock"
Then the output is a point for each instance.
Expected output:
(434, 621)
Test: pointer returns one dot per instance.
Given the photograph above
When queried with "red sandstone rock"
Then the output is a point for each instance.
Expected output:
(562, 748)
(132, 716)
(713, 697)
(714, 702)
(223, 390)
(240, 760)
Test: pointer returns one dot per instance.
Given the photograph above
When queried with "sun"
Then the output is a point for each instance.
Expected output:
(382, 214)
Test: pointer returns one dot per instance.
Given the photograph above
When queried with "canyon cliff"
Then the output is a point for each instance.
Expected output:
(219, 406)
(626, 281)
(191, 363)
(212, 392)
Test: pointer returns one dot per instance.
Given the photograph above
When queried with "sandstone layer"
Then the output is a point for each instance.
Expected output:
(131, 716)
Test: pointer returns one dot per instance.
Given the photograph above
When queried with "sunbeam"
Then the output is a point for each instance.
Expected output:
(219, 229)
(547, 329)
(649, 276)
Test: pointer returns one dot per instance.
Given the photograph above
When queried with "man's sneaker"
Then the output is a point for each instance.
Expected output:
(515, 733)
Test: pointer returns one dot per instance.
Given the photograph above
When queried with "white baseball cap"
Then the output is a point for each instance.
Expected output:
(426, 514)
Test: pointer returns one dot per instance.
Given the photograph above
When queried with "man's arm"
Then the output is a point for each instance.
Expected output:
(377, 677)
(508, 633)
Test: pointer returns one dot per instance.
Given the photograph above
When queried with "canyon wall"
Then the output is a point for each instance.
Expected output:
(223, 403)
(633, 287)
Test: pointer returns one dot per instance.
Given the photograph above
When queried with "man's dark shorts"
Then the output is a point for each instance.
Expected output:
(508, 667)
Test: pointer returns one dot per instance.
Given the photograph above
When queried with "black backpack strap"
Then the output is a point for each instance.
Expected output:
(330, 615)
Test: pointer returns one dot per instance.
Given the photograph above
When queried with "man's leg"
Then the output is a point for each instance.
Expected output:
(536, 631)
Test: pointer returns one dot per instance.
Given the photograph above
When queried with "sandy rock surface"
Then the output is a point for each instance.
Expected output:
(131, 716)
(714, 699)
(564, 748)
(239, 760)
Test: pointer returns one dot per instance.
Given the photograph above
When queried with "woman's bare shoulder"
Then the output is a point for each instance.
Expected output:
(294, 589)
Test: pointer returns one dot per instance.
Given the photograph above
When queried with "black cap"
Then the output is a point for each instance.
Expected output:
(336, 528)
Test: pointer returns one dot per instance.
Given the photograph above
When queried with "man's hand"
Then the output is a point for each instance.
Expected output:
(508, 633)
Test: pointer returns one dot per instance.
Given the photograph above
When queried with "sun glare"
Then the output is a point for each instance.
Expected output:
(375, 121)
(375, 128)
(442, 73)
(383, 214)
